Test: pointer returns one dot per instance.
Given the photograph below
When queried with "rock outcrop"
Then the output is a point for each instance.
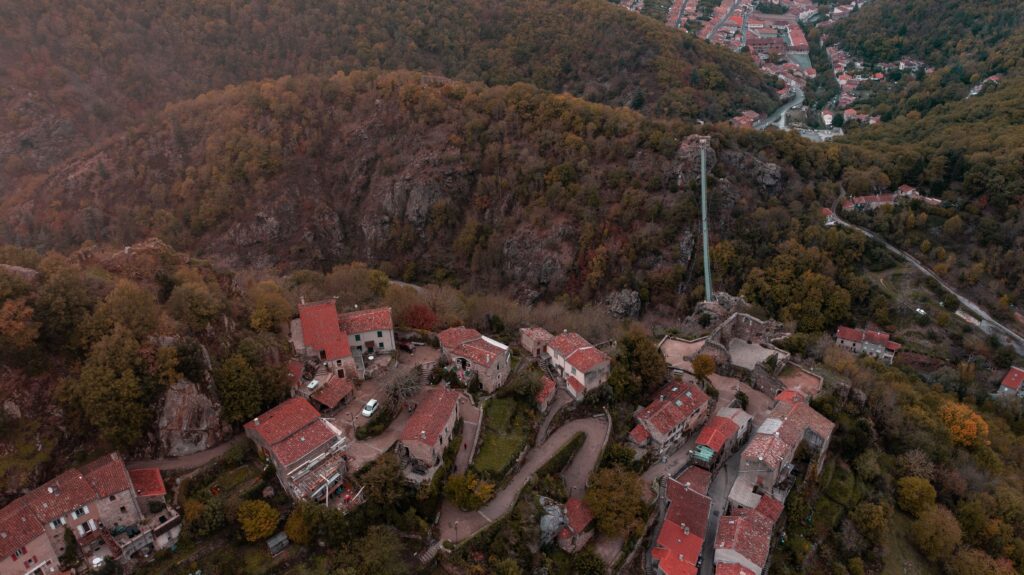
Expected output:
(189, 421)
(624, 303)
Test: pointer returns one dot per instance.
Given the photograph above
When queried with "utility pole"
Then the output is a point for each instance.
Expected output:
(704, 141)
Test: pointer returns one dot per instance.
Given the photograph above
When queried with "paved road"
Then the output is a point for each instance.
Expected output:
(719, 494)
(988, 324)
(780, 112)
(188, 461)
(457, 525)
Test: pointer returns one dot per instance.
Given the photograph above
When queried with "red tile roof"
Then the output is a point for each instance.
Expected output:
(789, 395)
(321, 331)
(681, 536)
(427, 423)
(283, 420)
(18, 527)
(867, 336)
(578, 515)
(295, 371)
(677, 401)
(107, 475)
(639, 434)
(717, 432)
(547, 389)
(468, 343)
(677, 550)
(303, 442)
(453, 336)
(748, 532)
(567, 342)
(148, 482)
(1014, 378)
(577, 351)
(575, 385)
(60, 495)
(732, 569)
(366, 320)
(22, 520)
(695, 478)
(333, 391)
(537, 334)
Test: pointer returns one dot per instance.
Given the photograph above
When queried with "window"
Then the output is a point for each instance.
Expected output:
(113, 497)
(19, 552)
(380, 334)
(56, 523)
(83, 510)
(359, 337)
(124, 509)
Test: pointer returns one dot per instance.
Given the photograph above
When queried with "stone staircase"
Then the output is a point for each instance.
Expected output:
(430, 552)
(425, 369)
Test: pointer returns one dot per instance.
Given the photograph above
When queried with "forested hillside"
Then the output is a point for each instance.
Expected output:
(72, 72)
(935, 31)
(500, 186)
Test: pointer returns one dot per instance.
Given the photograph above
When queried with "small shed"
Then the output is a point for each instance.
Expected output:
(278, 543)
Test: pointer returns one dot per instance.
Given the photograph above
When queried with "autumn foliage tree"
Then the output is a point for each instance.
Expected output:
(257, 519)
(965, 427)
(915, 495)
(936, 533)
(615, 496)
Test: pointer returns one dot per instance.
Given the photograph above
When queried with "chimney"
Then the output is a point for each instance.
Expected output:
(686, 529)
(423, 434)
(256, 420)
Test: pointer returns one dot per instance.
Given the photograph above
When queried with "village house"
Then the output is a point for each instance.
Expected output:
(317, 334)
(767, 462)
(873, 343)
(97, 503)
(583, 367)
(429, 431)
(307, 451)
(681, 407)
(369, 330)
(720, 435)
(579, 526)
(1013, 383)
(472, 353)
(546, 393)
(744, 538)
(534, 340)
(325, 390)
(678, 546)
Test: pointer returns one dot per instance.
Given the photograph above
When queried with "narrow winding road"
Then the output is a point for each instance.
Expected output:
(457, 525)
(186, 462)
(988, 324)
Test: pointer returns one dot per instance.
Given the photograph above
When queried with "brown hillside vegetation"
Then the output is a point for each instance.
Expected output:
(437, 178)
(71, 72)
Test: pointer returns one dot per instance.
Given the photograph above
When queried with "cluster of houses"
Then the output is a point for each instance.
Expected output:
(1012, 384)
(904, 193)
(112, 513)
(768, 465)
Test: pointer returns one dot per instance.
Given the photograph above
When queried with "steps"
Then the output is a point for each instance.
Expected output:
(425, 369)
(428, 555)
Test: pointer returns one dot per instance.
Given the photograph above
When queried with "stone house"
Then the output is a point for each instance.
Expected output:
(470, 352)
(369, 330)
(583, 366)
(306, 450)
(873, 343)
(720, 435)
(97, 503)
(534, 340)
(429, 431)
(579, 527)
(767, 460)
(1013, 383)
(681, 407)
(317, 335)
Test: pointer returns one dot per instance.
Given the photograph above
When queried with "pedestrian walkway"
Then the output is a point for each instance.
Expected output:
(457, 525)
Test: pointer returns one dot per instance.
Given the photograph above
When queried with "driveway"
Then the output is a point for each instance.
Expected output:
(457, 525)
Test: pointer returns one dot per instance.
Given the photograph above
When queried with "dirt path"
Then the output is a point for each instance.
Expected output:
(188, 461)
(457, 525)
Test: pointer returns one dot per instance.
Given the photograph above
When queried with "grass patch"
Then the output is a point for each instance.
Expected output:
(507, 426)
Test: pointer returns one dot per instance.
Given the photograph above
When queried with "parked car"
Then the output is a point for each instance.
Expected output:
(370, 407)
(406, 346)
